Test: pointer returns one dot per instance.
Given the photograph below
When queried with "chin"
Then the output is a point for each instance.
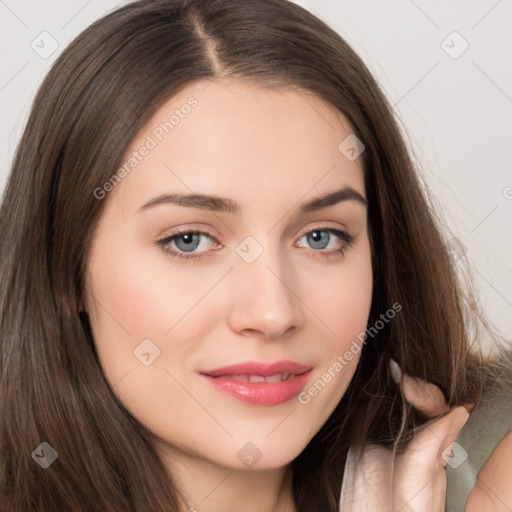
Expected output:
(266, 455)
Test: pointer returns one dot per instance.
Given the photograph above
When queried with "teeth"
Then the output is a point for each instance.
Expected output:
(278, 377)
(243, 378)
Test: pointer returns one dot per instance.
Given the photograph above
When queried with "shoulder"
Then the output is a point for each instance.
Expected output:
(479, 473)
(493, 488)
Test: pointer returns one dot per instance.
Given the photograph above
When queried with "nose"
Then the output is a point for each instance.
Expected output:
(264, 297)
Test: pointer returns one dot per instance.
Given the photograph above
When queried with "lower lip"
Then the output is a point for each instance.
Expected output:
(261, 393)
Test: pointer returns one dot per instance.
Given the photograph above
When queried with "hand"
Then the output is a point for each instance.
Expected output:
(414, 481)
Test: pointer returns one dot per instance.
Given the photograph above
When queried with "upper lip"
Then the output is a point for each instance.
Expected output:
(257, 368)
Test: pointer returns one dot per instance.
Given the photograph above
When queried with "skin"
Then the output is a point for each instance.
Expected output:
(493, 490)
(269, 150)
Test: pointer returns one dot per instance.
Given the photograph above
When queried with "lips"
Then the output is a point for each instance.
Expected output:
(259, 383)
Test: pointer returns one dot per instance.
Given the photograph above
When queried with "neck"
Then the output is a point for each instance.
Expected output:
(207, 487)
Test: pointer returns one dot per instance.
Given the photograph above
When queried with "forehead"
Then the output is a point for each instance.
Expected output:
(241, 140)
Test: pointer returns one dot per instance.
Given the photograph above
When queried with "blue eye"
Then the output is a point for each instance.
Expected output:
(190, 241)
(184, 244)
(320, 239)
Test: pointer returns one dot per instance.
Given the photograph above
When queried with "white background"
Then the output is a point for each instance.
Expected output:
(456, 111)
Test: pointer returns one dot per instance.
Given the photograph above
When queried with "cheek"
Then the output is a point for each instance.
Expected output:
(138, 293)
(342, 299)
(135, 295)
(147, 319)
(348, 304)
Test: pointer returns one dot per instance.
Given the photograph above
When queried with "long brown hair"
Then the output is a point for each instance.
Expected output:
(97, 96)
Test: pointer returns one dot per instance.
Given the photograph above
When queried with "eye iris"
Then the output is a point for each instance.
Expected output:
(317, 238)
(191, 241)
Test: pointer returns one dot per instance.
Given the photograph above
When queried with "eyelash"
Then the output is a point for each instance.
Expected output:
(347, 238)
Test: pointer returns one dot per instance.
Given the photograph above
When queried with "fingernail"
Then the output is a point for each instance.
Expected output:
(464, 414)
(469, 406)
(396, 372)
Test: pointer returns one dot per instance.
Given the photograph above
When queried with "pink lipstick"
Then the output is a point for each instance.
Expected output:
(259, 383)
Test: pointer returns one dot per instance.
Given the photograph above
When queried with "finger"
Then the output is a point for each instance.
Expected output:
(424, 396)
(419, 481)
(469, 406)
(450, 427)
(433, 442)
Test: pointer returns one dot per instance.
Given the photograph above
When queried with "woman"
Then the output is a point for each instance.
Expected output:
(217, 247)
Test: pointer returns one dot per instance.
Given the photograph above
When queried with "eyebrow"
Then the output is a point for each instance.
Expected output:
(222, 204)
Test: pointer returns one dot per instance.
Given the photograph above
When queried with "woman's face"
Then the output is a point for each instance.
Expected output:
(277, 276)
